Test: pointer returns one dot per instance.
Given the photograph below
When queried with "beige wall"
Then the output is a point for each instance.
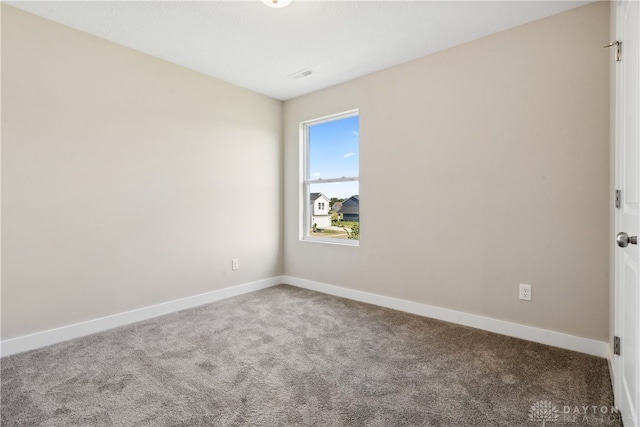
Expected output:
(126, 181)
(482, 167)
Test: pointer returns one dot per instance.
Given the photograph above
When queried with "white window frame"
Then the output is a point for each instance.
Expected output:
(307, 208)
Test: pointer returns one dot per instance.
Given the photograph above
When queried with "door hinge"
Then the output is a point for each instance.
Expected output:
(616, 346)
(618, 45)
(618, 199)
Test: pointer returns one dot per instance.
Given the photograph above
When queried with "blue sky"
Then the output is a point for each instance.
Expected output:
(334, 153)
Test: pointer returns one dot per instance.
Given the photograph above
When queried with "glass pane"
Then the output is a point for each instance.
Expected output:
(334, 148)
(334, 209)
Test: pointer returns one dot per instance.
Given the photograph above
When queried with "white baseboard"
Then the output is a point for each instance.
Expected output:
(64, 333)
(543, 336)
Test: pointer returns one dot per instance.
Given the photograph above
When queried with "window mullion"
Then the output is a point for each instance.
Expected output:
(330, 180)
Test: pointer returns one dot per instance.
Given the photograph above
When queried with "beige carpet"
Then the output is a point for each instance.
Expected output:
(287, 357)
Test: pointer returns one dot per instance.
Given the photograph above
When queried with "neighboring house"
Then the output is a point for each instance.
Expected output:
(336, 208)
(320, 215)
(350, 209)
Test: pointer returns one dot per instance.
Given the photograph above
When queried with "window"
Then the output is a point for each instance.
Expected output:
(330, 190)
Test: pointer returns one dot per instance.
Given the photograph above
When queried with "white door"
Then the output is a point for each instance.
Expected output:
(627, 267)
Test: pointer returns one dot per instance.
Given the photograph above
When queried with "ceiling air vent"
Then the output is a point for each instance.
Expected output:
(305, 72)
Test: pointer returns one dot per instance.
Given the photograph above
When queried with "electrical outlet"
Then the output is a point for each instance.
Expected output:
(525, 292)
(235, 264)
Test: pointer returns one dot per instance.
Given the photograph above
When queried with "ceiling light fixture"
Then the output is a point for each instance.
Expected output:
(277, 3)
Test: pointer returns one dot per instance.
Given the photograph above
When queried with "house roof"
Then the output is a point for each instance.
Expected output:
(314, 196)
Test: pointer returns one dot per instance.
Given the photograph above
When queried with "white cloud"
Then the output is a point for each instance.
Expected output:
(355, 133)
(316, 174)
(349, 155)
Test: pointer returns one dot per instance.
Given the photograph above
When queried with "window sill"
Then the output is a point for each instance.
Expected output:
(331, 241)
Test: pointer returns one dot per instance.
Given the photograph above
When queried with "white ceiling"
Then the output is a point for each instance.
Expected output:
(257, 47)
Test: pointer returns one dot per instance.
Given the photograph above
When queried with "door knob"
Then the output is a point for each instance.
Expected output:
(623, 239)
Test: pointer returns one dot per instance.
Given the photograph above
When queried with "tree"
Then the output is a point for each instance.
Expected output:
(354, 232)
